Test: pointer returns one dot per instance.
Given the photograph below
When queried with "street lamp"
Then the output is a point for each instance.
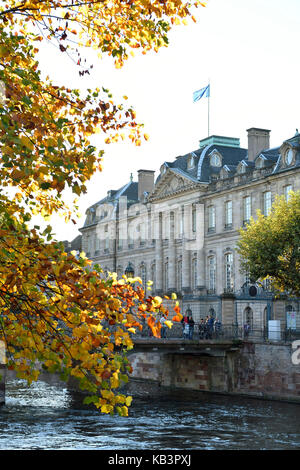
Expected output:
(129, 271)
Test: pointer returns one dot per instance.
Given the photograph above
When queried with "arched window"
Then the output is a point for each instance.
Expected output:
(248, 317)
(215, 159)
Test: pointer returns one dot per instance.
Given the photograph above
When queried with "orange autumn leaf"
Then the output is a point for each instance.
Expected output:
(177, 318)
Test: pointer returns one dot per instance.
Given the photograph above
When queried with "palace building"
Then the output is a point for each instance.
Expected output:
(180, 229)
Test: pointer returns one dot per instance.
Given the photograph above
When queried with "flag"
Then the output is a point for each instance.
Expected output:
(197, 95)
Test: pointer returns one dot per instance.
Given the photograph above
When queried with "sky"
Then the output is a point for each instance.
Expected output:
(249, 52)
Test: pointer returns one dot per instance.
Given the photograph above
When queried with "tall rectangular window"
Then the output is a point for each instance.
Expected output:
(246, 209)
(120, 242)
(228, 214)
(212, 274)
(153, 275)
(179, 276)
(229, 272)
(267, 202)
(194, 218)
(211, 218)
(166, 276)
(194, 273)
(287, 189)
(180, 219)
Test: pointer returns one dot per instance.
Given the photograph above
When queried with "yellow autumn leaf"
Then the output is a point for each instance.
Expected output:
(107, 408)
(27, 142)
(157, 301)
(128, 401)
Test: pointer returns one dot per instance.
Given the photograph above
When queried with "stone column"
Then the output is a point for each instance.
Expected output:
(186, 265)
(201, 269)
(172, 255)
(228, 309)
(201, 263)
(159, 254)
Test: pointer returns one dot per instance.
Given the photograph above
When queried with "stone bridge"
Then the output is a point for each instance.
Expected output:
(228, 366)
(177, 346)
(250, 368)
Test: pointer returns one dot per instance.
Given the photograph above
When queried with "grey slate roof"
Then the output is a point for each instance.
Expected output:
(129, 190)
(203, 171)
(231, 157)
(74, 244)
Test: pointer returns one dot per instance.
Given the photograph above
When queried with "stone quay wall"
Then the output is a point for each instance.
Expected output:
(2, 383)
(260, 370)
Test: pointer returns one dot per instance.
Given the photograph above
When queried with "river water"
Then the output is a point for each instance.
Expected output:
(42, 417)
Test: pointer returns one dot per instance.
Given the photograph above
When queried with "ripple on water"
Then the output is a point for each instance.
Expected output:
(41, 417)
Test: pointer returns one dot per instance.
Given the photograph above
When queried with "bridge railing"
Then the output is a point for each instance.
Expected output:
(226, 332)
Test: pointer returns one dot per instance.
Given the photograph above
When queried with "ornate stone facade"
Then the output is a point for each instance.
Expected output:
(181, 229)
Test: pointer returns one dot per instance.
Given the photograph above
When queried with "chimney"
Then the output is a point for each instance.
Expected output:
(145, 182)
(258, 140)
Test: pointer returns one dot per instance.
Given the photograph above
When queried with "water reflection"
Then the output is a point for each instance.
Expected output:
(41, 417)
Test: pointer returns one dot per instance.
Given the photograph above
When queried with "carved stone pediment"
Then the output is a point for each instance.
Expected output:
(171, 183)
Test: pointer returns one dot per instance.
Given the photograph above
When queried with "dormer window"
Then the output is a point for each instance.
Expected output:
(163, 169)
(191, 162)
(241, 168)
(224, 173)
(260, 162)
(288, 156)
(216, 159)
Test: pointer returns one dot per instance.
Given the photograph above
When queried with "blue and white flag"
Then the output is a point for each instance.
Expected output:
(197, 95)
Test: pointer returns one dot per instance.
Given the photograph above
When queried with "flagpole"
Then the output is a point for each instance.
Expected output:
(208, 108)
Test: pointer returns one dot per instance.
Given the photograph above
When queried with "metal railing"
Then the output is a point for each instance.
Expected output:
(225, 332)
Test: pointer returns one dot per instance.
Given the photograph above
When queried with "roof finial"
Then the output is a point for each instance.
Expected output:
(131, 177)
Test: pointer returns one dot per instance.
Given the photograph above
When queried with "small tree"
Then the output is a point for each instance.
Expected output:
(270, 246)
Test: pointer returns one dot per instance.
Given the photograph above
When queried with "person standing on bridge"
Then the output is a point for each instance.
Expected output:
(202, 329)
(217, 327)
(185, 326)
(163, 331)
(191, 326)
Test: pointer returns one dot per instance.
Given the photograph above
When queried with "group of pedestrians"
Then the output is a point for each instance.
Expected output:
(188, 325)
(207, 327)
